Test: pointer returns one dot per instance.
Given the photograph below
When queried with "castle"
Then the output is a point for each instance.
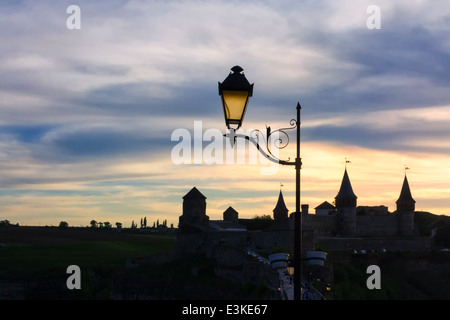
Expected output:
(348, 226)
(340, 227)
(346, 219)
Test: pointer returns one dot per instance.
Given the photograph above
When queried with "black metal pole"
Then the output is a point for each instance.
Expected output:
(297, 218)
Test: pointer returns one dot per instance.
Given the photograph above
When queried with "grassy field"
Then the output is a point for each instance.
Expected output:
(30, 250)
(33, 264)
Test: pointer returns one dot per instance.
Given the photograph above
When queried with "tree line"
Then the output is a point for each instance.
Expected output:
(107, 225)
(155, 225)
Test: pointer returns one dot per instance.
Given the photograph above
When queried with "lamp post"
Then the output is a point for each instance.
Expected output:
(236, 91)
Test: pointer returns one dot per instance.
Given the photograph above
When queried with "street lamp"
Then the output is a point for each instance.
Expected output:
(290, 267)
(235, 92)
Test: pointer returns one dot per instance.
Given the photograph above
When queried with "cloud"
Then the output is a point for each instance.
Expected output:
(98, 105)
(408, 130)
(101, 143)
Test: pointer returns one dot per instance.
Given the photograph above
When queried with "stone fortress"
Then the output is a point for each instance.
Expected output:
(340, 227)
(347, 226)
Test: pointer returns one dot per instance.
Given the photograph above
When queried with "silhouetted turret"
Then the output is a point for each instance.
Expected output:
(346, 207)
(405, 210)
(281, 211)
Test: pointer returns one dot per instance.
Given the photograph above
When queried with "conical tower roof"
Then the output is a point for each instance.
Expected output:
(346, 190)
(281, 206)
(405, 194)
(280, 211)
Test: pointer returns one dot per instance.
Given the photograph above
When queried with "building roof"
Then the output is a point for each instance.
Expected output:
(346, 191)
(325, 205)
(194, 193)
(281, 206)
(405, 194)
(230, 210)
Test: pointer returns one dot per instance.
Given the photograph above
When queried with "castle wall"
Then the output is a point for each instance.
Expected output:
(322, 225)
(376, 243)
(370, 226)
(268, 242)
(271, 241)
(405, 222)
(346, 221)
(365, 225)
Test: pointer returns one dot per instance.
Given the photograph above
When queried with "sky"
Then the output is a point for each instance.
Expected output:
(90, 101)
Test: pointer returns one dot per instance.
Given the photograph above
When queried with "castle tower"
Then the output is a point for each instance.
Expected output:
(194, 210)
(346, 207)
(280, 211)
(405, 210)
(231, 215)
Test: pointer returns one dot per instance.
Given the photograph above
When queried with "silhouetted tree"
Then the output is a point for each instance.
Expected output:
(260, 222)
(63, 225)
(118, 225)
(93, 224)
(4, 223)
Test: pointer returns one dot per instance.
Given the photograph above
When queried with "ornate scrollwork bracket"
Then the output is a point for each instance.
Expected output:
(281, 141)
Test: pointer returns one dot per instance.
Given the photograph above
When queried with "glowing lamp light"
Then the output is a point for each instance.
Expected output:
(290, 267)
(235, 91)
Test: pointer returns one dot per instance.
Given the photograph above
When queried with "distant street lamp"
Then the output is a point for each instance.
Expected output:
(235, 92)
(290, 269)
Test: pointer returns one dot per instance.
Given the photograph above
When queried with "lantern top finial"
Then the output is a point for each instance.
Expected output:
(237, 69)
